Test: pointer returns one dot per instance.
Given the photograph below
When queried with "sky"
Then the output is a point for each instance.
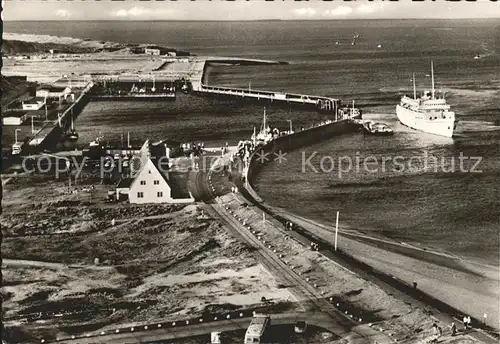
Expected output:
(244, 10)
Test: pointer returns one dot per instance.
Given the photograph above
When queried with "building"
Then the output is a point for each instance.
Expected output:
(14, 118)
(123, 188)
(151, 183)
(72, 82)
(152, 51)
(155, 50)
(33, 104)
(53, 92)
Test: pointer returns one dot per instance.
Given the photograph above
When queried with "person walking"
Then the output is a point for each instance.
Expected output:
(468, 322)
(465, 323)
(435, 333)
(453, 329)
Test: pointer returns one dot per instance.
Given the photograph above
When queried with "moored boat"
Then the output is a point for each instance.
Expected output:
(72, 135)
(348, 112)
(377, 129)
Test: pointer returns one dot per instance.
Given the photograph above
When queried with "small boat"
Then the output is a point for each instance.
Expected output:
(265, 135)
(72, 135)
(349, 112)
(95, 143)
(378, 129)
(300, 326)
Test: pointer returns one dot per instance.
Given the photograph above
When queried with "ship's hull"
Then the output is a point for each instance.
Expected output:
(416, 120)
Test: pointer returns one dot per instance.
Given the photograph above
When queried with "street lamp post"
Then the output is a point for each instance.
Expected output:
(336, 230)
(289, 120)
(15, 133)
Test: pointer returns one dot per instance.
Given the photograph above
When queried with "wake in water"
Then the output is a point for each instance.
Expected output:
(478, 126)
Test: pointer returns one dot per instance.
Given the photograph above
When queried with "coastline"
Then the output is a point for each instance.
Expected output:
(466, 286)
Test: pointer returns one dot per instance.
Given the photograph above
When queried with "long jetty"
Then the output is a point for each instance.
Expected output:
(322, 103)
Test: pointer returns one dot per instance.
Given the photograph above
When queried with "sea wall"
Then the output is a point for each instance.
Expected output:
(291, 142)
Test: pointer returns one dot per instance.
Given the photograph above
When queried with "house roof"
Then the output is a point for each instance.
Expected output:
(178, 182)
(152, 47)
(34, 100)
(13, 114)
(125, 183)
(138, 162)
(53, 88)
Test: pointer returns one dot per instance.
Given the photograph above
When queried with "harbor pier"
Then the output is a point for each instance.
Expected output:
(326, 104)
(52, 130)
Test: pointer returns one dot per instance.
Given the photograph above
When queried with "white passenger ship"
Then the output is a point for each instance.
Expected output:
(427, 113)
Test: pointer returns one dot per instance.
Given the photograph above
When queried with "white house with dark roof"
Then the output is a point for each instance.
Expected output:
(150, 184)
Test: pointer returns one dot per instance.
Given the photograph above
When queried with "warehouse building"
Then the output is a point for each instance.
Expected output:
(32, 104)
(14, 118)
